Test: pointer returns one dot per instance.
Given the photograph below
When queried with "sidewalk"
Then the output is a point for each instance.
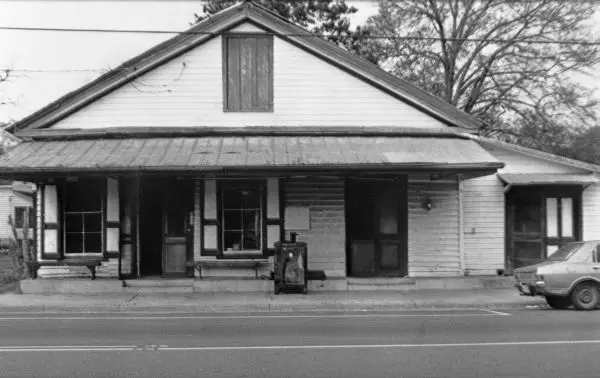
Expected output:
(262, 302)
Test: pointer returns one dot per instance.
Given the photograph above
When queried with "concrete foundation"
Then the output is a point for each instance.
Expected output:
(71, 286)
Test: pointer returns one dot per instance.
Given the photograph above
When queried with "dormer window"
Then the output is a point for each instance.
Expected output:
(248, 73)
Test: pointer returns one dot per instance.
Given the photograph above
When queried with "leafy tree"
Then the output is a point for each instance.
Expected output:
(477, 55)
(329, 18)
(585, 145)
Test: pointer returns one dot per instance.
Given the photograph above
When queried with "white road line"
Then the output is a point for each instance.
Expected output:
(358, 316)
(291, 347)
(496, 312)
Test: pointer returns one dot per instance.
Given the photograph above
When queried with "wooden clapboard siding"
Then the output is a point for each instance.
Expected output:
(9, 199)
(483, 200)
(188, 91)
(591, 212)
(517, 162)
(327, 234)
(433, 242)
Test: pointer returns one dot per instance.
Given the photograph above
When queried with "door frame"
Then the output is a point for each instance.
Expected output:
(544, 192)
(401, 238)
(187, 239)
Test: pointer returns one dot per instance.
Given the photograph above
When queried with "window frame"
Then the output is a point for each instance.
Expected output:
(31, 219)
(221, 219)
(225, 70)
(102, 212)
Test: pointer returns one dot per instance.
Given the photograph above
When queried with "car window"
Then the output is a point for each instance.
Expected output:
(584, 253)
(597, 253)
(565, 252)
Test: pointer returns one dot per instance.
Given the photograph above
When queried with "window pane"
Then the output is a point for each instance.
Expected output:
(93, 222)
(388, 216)
(252, 220)
(19, 217)
(93, 242)
(73, 223)
(74, 243)
(528, 217)
(31, 217)
(551, 217)
(567, 217)
(551, 249)
(84, 195)
(232, 219)
(389, 256)
(251, 240)
(232, 241)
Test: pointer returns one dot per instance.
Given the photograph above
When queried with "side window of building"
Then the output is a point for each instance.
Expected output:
(83, 216)
(20, 216)
(242, 217)
(248, 73)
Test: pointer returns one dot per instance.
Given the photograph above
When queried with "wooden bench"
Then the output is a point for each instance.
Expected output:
(91, 264)
(229, 263)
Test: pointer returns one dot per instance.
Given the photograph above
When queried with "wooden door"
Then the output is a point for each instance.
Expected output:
(177, 227)
(377, 228)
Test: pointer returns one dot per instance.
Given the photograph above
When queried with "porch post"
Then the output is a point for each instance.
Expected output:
(197, 219)
(461, 224)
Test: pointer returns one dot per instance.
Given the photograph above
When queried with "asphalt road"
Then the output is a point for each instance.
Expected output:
(442, 343)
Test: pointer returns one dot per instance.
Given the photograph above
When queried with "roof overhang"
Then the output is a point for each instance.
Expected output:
(539, 179)
(253, 154)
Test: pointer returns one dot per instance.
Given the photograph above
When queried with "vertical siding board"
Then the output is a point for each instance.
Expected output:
(233, 74)
(247, 77)
(263, 74)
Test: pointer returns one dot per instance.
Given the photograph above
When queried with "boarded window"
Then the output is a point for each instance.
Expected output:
(248, 73)
(83, 203)
(20, 216)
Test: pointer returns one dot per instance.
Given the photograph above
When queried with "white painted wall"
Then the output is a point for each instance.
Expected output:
(517, 162)
(591, 212)
(188, 91)
(433, 242)
(484, 215)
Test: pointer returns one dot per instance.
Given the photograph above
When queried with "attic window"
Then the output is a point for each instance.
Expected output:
(248, 73)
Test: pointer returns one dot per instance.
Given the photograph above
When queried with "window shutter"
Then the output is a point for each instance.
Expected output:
(51, 240)
(112, 217)
(248, 75)
(273, 213)
(210, 228)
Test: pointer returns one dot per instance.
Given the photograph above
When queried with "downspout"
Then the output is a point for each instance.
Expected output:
(461, 225)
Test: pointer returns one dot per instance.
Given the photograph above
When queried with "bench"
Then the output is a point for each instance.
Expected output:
(91, 264)
(229, 263)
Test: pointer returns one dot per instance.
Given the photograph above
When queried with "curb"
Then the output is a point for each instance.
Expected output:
(266, 307)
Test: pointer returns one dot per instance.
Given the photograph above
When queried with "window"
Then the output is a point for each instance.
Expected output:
(241, 216)
(248, 73)
(20, 216)
(83, 216)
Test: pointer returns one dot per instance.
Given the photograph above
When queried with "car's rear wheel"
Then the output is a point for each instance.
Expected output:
(585, 296)
(558, 303)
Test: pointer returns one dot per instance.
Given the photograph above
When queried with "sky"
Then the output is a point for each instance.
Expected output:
(74, 59)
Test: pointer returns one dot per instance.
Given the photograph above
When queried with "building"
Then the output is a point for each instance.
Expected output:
(195, 157)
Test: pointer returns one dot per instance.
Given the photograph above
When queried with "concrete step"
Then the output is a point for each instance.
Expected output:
(159, 289)
(159, 282)
(232, 285)
(380, 283)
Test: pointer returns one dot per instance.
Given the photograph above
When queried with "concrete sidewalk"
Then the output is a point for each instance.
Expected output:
(259, 302)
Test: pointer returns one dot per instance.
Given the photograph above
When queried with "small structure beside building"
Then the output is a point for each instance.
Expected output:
(261, 129)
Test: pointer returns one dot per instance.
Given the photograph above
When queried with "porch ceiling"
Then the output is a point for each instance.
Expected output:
(230, 153)
(547, 179)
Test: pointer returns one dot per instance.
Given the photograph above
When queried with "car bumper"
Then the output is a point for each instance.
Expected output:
(532, 289)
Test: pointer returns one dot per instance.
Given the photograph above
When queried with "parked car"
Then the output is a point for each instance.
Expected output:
(570, 276)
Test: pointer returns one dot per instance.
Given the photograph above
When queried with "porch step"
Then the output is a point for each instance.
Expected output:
(381, 283)
(159, 285)
(226, 284)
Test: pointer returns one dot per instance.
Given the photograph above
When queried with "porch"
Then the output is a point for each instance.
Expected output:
(384, 204)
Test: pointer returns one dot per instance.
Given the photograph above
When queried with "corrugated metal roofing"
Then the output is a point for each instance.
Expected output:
(547, 178)
(245, 152)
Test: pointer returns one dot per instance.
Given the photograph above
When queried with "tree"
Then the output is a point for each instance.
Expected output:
(329, 18)
(585, 145)
(478, 56)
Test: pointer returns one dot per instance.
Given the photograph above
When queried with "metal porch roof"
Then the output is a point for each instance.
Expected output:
(547, 179)
(216, 153)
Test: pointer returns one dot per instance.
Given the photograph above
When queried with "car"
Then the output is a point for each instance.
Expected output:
(570, 276)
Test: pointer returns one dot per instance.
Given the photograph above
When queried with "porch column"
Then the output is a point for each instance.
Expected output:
(209, 219)
(51, 246)
(197, 219)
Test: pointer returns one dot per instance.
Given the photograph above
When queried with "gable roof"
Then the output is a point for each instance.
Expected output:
(220, 23)
(592, 168)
